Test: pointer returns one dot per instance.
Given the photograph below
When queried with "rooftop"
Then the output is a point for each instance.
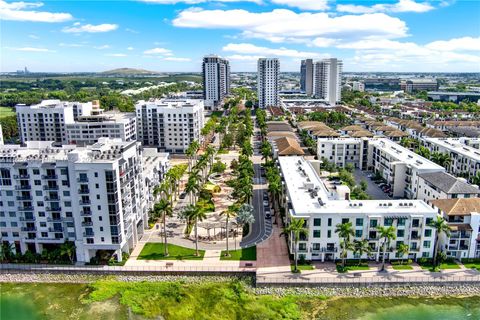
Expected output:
(287, 146)
(51, 104)
(448, 183)
(309, 196)
(454, 145)
(458, 207)
(453, 93)
(170, 103)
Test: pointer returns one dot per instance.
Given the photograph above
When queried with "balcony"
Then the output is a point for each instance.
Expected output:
(51, 198)
(50, 177)
(50, 187)
(87, 224)
(26, 229)
(21, 176)
(415, 237)
(27, 219)
(415, 249)
(84, 202)
(24, 198)
(23, 187)
(329, 249)
(86, 213)
(83, 191)
(53, 208)
(90, 234)
(82, 180)
(55, 229)
(30, 208)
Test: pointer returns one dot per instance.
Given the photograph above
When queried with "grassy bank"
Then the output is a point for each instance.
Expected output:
(155, 251)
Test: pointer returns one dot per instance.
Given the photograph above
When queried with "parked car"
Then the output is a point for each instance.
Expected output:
(266, 203)
(265, 197)
(268, 215)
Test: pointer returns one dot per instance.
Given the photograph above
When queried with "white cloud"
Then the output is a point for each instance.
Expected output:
(460, 44)
(90, 28)
(198, 1)
(130, 48)
(241, 57)
(400, 6)
(119, 55)
(105, 46)
(32, 36)
(289, 24)
(18, 11)
(32, 49)
(317, 5)
(177, 59)
(72, 45)
(162, 51)
(250, 49)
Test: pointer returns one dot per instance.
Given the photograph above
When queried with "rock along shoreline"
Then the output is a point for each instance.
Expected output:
(460, 290)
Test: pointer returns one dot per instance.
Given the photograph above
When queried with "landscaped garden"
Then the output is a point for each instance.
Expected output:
(471, 263)
(246, 254)
(444, 265)
(352, 266)
(155, 251)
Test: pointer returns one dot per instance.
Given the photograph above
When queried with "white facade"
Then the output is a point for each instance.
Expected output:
(93, 196)
(343, 151)
(328, 80)
(358, 86)
(216, 80)
(465, 160)
(306, 196)
(441, 185)
(88, 129)
(268, 76)
(169, 125)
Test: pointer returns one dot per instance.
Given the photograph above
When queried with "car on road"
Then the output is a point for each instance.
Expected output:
(265, 196)
(182, 195)
(268, 215)
(266, 203)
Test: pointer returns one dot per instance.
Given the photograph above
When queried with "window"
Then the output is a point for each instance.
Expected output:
(345, 220)
(11, 214)
(400, 233)
(373, 223)
(316, 234)
(388, 222)
(329, 222)
(302, 246)
(14, 224)
(37, 182)
(359, 222)
(66, 193)
(43, 224)
(317, 222)
(36, 171)
(428, 232)
(11, 203)
(38, 193)
(44, 234)
(429, 220)
(329, 233)
(426, 244)
(401, 221)
(425, 254)
(358, 233)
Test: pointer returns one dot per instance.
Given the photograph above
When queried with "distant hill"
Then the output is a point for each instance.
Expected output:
(128, 71)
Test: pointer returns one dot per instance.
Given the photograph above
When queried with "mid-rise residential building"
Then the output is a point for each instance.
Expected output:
(463, 218)
(358, 86)
(328, 80)
(464, 159)
(441, 185)
(306, 76)
(169, 125)
(306, 196)
(216, 80)
(88, 129)
(344, 151)
(93, 196)
(268, 75)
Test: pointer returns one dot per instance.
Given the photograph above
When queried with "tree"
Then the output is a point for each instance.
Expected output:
(275, 187)
(402, 250)
(294, 230)
(363, 185)
(440, 226)
(387, 234)
(245, 215)
(194, 213)
(442, 159)
(266, 150)
(6, 251)
(164, 207)
(229, 213)
(344, 230)
(193, 186)
(424, 152)
(68, 249)
(361, 247)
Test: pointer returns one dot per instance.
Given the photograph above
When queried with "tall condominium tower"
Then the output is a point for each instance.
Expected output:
(306, 76)
(328, 80)
(267, 82)
(216, 80)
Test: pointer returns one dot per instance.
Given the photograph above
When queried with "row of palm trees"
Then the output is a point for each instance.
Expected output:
(296, 228)
(442, 159)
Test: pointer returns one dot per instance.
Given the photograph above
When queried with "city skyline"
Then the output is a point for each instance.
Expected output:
(174, 35)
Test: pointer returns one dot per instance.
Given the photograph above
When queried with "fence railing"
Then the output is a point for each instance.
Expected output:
(108, 269)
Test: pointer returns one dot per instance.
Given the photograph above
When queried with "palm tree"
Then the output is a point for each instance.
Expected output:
(68, 249)
(275, 187)
(345, 231)
(192, 187)
(194, 213)
(361, 247)
(402, 250)
(387, 234)
(294, 230)
(424, 152)
(266, 151)
(229, 213)
(164, 207)
(440, 226)
(442, 159)
(6, 251)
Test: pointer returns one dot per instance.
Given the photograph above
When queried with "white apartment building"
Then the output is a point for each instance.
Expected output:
(47, 120)
(307, 197)
(169, 125)
(463, 218)
(94, 196)
(358, 86)
(268, 76)
(465, 160)
(216, 80)
(442, 185)
(328, 80)
(88, 129)
(343, 151)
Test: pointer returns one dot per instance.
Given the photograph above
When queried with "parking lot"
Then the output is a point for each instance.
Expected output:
(373, 189)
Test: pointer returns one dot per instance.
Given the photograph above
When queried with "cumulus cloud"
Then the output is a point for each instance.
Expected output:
(103, 47)
(196, 1)
(161, 51)
(251, 49)
(400, 6)
(317, 5)
(118, 55)
(32, 49)
(21, 11)
(460, 44)
(90, 28)
(283, 23)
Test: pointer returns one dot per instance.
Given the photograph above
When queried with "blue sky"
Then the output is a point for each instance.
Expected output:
(173, 35)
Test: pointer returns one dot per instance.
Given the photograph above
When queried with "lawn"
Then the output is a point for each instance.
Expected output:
(154, 251)
(6, 111)
(249, 254)
(352, 267)
(443, 266)
(301, 267)
(472, 265)
(402, 267)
